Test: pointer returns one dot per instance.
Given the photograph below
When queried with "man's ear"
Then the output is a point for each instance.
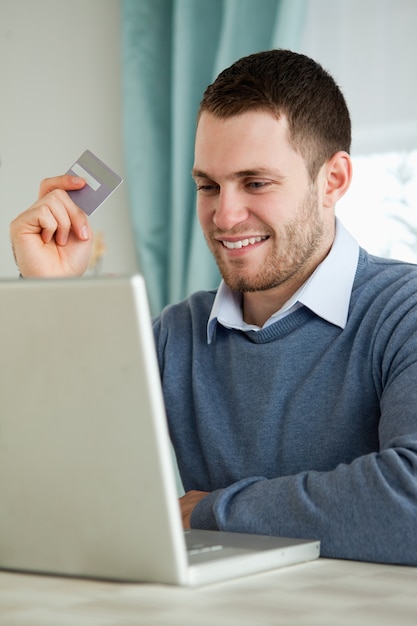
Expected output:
(337, 173)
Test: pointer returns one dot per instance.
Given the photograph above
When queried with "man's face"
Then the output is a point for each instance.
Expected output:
(260, 212)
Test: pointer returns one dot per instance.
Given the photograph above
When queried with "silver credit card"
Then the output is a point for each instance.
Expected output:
(101, 182)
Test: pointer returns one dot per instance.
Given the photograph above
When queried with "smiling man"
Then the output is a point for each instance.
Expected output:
(291, 390)
(266, 222)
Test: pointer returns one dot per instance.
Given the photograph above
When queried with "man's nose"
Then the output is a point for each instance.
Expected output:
(230, 210)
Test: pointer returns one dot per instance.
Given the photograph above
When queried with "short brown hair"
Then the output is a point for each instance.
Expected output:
(290, 84)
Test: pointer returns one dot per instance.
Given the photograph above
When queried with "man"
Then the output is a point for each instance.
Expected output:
(291, 391)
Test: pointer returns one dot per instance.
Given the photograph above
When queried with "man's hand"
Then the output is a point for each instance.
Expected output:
(187, 504)
(53, 237)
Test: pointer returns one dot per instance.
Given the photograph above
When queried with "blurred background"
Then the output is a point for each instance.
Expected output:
(123, 78)
(59, 95)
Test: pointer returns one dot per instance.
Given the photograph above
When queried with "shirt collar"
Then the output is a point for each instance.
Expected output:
(327, 292)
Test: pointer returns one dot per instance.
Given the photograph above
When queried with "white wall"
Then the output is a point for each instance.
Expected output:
(370, 47)
(60, 93)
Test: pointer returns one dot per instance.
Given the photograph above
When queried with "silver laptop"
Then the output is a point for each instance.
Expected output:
(87, 481)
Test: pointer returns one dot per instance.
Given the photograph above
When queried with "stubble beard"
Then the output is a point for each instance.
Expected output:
(297, 248)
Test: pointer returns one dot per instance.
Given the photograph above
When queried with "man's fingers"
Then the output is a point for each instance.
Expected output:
(69, 217)
(54, 216)
(65, 182)
(53, 237)
(47, 224)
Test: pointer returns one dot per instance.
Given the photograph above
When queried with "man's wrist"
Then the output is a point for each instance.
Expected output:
(203, 516)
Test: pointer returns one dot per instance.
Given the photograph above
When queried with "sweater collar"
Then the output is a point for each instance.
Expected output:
(327, 292)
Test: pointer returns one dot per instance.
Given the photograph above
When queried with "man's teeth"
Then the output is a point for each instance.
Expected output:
(242, 243)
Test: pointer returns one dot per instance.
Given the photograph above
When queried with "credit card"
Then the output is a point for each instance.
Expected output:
(101, 182)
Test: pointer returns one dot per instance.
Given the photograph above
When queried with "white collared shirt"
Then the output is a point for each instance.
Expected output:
(327, 292)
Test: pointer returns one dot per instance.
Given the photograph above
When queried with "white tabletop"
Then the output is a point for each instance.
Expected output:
(323, 593)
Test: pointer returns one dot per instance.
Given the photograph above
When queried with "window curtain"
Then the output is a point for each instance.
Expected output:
(171, 50)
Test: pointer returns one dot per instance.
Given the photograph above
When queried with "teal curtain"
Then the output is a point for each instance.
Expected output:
(171, 50)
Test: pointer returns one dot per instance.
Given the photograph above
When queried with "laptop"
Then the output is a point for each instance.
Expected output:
(87, 479)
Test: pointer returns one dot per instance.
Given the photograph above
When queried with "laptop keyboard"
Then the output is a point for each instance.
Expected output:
(202, 549)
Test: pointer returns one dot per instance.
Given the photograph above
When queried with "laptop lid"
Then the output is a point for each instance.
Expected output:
(86, 477)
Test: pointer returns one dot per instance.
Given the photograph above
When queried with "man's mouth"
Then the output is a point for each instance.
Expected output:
(242, 243)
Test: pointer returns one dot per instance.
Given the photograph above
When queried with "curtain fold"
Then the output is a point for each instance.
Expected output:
(171, 50)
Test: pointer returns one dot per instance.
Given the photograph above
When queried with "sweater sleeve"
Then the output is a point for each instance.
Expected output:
(363, 510)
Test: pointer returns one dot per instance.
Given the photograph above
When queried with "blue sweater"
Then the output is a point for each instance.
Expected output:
(303, 429)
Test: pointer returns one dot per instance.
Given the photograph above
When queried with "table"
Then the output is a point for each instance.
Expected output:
(324, 592)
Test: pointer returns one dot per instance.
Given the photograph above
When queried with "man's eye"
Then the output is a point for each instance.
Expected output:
(258, 184)
(207, 187)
